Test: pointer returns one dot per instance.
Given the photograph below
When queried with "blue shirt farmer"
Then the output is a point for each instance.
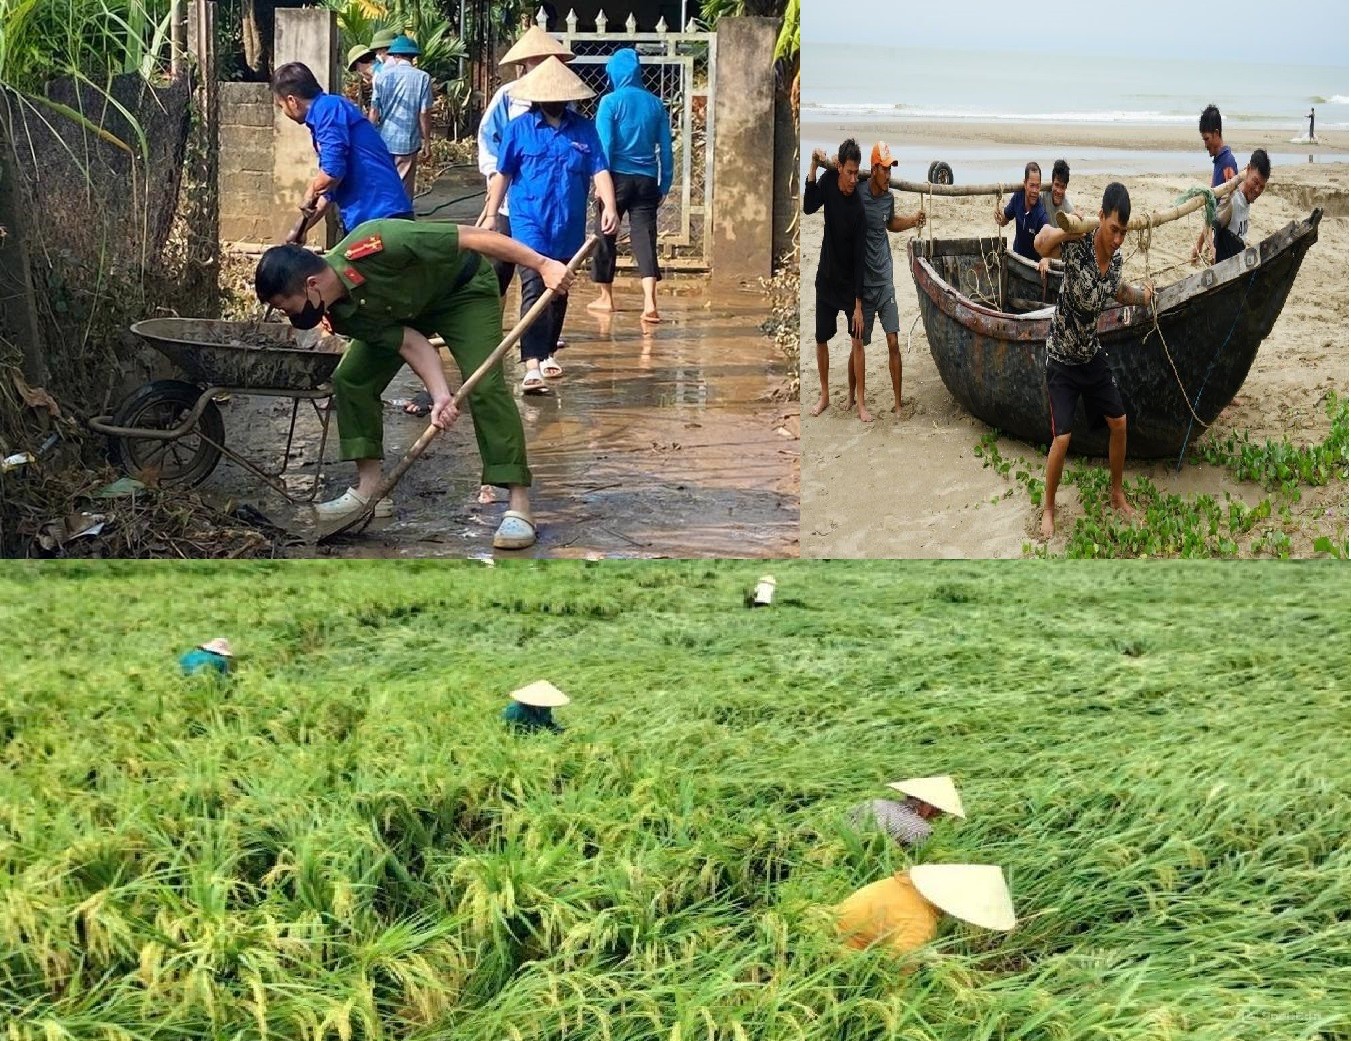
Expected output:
(351, 152)
(634, 126)
(1026, 224)
(550, 170)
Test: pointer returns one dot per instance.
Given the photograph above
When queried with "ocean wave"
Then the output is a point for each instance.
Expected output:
(1336, 99)
(971, 115)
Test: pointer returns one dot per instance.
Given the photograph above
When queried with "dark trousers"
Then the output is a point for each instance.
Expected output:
(1227, 244)
(504, 268)
(639, 197)
(541, 339)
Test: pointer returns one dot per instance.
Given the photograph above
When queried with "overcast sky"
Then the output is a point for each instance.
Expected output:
(1222, 34)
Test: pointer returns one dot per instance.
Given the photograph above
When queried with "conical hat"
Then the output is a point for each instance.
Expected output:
(220, 645)
(975, 893)
(551, 80)
(936, 791)
(541, 694)
(535, 43)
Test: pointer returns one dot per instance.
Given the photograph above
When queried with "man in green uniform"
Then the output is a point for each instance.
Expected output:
(388, 285)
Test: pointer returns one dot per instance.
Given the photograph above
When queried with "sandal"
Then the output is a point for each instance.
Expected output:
(550, 368)
(420, 405)
(533, 383)
(517, 531)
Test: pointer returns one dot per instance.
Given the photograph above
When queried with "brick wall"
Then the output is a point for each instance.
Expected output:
(247, 206)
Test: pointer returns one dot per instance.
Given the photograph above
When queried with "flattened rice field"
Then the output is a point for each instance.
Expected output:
(344, 842)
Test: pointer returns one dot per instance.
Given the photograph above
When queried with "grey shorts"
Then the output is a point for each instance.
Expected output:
(880, 302)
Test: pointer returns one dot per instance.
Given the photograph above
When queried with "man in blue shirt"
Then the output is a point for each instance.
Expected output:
(401, 106)
(356, 173)
(1028, 213)
(1222, 162)
(635, 130)
(549, 159)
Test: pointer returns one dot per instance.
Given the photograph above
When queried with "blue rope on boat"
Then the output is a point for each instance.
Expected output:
(1192, 422)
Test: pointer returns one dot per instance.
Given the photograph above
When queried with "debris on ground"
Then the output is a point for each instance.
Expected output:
(783, 324)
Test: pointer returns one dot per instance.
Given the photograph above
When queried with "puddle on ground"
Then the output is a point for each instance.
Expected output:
(653, 444)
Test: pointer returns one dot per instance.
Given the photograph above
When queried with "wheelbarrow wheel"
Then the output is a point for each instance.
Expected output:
(181, 463)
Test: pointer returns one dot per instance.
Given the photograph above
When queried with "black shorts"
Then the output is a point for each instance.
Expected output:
(827, 307)
(1227, 244)
(1093, 381)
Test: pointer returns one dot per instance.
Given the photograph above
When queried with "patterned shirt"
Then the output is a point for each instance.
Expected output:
(1084, 294)
(895, 818)
(401, 95)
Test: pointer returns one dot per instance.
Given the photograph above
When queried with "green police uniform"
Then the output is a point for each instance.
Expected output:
(404, 273)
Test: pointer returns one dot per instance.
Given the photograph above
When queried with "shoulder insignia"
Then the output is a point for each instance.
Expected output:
(365, 248)
(352, 274)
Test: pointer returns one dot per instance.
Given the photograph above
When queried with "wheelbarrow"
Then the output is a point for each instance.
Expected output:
(170, 432)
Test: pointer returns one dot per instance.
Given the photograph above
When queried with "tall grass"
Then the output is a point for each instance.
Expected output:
(345, 843)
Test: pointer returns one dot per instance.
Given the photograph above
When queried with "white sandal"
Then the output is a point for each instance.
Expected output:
(550, 369)
(533, 383)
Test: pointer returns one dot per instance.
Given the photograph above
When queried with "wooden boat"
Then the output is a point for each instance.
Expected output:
(987, 320)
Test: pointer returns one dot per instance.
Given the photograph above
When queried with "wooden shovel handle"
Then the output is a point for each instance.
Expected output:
(509, 341)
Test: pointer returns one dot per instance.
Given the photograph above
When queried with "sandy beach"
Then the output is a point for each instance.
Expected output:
(911, 486)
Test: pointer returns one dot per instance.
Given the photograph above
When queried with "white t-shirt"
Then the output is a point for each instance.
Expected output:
(1238, 213)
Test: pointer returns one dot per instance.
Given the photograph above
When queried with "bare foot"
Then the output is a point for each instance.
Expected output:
(1048, 523)
(896, 408)
(651, 316)
(486, 494)
(821, 405)
(602, 305)
(1124, 509)
(849, 405)
(864, 414)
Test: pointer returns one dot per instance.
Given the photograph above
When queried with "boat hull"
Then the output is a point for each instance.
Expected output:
(1213, 322)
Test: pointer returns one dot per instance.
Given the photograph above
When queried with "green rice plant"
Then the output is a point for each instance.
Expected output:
(344, 841)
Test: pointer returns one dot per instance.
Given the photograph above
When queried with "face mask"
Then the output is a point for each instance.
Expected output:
(310, 315)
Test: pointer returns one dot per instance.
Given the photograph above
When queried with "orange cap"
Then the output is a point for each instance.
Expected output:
(882, 155)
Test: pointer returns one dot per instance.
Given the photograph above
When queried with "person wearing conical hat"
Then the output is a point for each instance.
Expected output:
(214, 656)
(525, 54)
(908, 822)
(550, 159)
(532, 706)
(904, 911)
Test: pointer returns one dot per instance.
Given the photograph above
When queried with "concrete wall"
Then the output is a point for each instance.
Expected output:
(787, 203)
(308, 35)
(247, 212)
(743, 190)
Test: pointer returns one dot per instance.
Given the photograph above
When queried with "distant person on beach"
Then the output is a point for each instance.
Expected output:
(1310, 124)
(879, 290)
(1231, 221)
(1027, 211)
(839, 272)
(1076, 366)
(1224, 166)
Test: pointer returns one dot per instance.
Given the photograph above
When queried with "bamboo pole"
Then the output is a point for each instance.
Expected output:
(1079, 226)
(946, 190)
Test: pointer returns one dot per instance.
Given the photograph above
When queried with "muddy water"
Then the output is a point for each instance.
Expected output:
(652, 444)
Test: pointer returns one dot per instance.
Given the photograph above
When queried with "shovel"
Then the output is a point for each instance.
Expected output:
(357, 522)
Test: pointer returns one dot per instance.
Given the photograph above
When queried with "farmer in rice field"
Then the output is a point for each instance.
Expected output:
(212, 657)
(903, 911)
(389, 285)
(1076, 366)
(840, 269)
(908, 822)
(532, 708)
(356, 171)
(879, 289)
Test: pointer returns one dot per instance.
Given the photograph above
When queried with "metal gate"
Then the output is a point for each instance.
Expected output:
(679, 69)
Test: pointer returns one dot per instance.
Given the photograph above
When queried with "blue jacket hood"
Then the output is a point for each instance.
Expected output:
(622, 68)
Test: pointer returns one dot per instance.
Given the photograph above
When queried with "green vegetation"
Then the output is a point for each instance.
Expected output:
(1169, 525)
(343, 842)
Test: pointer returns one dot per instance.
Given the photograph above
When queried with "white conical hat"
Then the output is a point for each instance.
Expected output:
(975, 893)
(220, 645)
(535, 43)
(541, 694)
(936, 791)
(551, 80)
